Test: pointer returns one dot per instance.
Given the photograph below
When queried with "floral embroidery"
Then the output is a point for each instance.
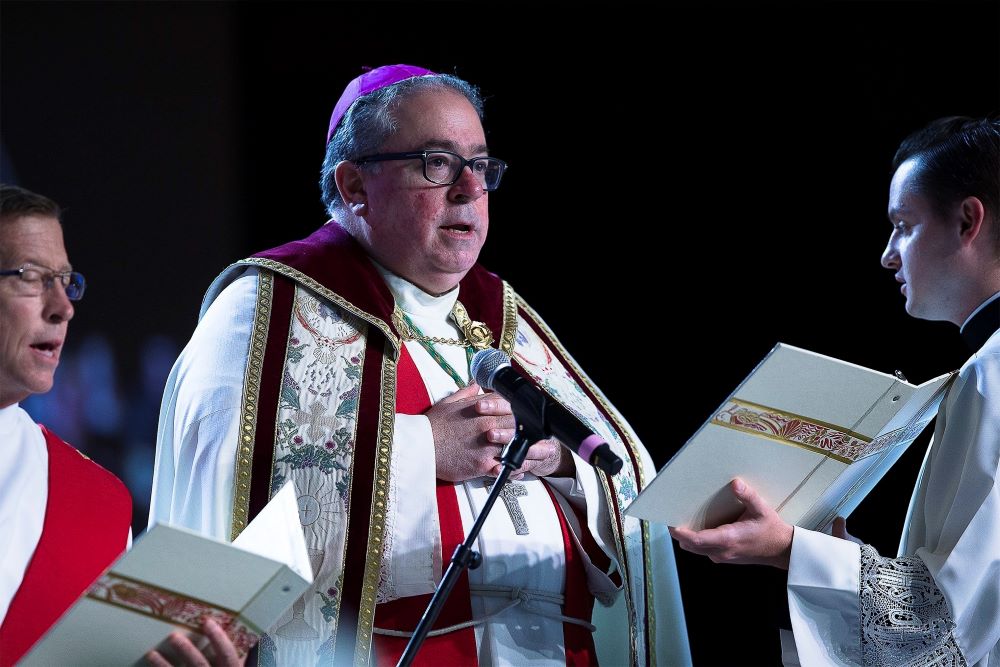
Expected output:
(290, 389)
(308, 456)
(314, 448)
(349, 401)
(627, 490)
(295, 354)
(790, 428)
(330, 607)
(170, 607)
(278, 480)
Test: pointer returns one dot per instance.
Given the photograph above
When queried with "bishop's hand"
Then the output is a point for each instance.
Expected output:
(470, 431)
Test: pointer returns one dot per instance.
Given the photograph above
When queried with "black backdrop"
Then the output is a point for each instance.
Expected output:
(688, 186)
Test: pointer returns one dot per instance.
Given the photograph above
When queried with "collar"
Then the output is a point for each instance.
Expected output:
(982, 323)
(414, 301)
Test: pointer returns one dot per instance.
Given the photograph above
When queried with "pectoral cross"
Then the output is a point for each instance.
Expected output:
(510, 492)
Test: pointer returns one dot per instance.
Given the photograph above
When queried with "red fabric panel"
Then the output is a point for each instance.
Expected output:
(579, 603)
(87, 517)
(334, 259)
(411, 393)
(454, 648)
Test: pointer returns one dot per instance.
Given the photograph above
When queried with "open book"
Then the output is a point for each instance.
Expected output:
(810, 433)
(172, 578)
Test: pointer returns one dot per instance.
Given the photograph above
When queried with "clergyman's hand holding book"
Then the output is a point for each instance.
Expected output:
(810, 433)
(172, 578)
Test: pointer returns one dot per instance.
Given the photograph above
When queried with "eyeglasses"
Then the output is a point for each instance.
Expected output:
(445, 167)
(34, 280)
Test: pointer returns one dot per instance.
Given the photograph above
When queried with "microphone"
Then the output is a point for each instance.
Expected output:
(491, 369)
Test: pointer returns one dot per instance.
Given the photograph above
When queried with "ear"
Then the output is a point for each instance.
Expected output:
(972, 215)
(351, 185)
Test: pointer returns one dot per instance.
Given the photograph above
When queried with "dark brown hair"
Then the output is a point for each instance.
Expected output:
(17, 202)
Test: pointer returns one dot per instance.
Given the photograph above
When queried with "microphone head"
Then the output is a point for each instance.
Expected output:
(484, 364)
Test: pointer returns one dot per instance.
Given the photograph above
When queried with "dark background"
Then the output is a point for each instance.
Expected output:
(688, 187)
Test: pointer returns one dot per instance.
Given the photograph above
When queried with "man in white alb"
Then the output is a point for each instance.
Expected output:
(938, 602)
(64, 519)
(59, 511)
(340, 362)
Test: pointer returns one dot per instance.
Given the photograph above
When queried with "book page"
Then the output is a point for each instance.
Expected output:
(172, 579)
(792, 429)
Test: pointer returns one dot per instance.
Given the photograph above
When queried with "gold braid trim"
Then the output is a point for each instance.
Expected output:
(326, 293)
(248, 409)
(508, 333)
(647, 559)
(609, 494)
(380, 501)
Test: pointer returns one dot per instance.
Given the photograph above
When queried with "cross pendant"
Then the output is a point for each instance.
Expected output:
(510, 492)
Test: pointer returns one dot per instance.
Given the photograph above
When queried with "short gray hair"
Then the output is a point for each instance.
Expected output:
(369, 123)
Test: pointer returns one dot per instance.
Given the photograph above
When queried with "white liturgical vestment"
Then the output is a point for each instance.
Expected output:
(533, 562)
(193, 487)
(24, 486)
(938, 603)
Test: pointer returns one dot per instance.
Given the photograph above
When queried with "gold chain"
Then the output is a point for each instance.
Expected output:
(406, 333)
(476, 334)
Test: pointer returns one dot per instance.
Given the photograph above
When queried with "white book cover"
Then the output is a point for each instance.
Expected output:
(172, 579)
(812, 434)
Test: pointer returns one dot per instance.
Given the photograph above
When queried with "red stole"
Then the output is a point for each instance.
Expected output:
(87, 517)
(454, 648)
(459, 647)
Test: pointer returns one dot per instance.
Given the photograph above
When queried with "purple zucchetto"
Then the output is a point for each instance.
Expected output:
(369, 82)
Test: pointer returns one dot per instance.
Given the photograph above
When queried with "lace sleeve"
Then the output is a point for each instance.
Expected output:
(905, 619)
(386, 583)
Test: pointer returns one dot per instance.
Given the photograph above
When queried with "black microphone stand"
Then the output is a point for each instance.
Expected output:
(464, 556)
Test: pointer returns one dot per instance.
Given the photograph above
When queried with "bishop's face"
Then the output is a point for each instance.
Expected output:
(923, 250)
(429, 234)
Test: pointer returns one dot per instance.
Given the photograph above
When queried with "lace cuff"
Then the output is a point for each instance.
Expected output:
(905, 619)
